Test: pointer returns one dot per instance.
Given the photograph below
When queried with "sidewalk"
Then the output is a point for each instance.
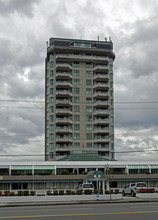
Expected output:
(64, 200)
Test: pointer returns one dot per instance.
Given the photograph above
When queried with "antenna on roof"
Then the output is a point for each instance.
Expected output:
(98, 38)
(110, 39)
(105, 39)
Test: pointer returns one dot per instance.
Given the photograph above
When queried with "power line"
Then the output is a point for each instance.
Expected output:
(41, 155)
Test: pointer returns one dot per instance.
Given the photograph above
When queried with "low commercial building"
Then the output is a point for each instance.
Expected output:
(42, 176)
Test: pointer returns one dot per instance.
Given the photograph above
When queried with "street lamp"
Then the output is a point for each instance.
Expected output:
(97, 177)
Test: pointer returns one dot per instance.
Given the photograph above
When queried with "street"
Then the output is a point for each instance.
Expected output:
(117, 211)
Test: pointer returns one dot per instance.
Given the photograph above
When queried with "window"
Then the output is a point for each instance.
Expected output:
(89, 136)
(76, 90)
(76, 117)
(51, 64)
(51, 73)
(51, 127)
(88, 73)
(51, 82)
(51, 91)
(51, 137)
(111, 85)
(76, 108)
(76, 144)
(88, 82)
(51, 118)
(51, 109)
(76, 82)
(76, 72)
(110, 67)
(76, 99)
(76, 126)
(89, 127)
(88, 65)
(88, 108)
(88, 100)
(88, 118)
(89, 91)
(76, 64)
(89, 145)
(76, 136)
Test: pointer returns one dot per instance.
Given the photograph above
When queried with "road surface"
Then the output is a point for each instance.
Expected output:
(113, 211)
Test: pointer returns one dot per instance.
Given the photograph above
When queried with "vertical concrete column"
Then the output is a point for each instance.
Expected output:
(103, 186)
(107, 185)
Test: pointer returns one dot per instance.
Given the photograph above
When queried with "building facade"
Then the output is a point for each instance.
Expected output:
(79, 101)
(42, 176)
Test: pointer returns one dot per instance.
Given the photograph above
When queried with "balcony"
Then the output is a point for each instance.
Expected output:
(64, 139)
(63, 93)
(100, 130)
(64, 111)
(64, 130)
(100, 85)
(64, 102)
(63, 84)
(101, 68)
(101, 112)
(101, 94)
(102, 121)
(63, 66)
(63, 121)
(102, 139)
(90, 58)
(63, 75)
(101, 77)
(101, 103)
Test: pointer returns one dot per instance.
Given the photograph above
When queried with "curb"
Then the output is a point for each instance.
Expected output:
(137, 200)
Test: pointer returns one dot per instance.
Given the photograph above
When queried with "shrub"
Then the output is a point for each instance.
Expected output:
(65, 172)
(0, 193)
(12, 194)
(79, 192)
(55, 192)
(49, 193)
(72, 193)
(95, 191)
(107, 192)
(61, 192)
(152, 190)
(32, 193)
(20, 193)
(88, 192)
(6, 193)
(147, 190)
(68, 192)
(116, 191)
(26, 193)
(101, 191)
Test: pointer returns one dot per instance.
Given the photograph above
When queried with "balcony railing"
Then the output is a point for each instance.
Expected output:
(63, 75)
(101, 94)
(63, 102)
(63, 93)
(63, 111)
(101, 121)
(63, 66)
(101, 68)
(82, 57)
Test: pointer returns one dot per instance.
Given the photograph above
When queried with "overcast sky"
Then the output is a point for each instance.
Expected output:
(26, 25)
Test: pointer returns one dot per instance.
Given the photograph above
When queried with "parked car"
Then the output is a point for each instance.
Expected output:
(133, 188)
(85, 186)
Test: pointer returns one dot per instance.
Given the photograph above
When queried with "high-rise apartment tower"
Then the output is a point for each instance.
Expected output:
(79, 101)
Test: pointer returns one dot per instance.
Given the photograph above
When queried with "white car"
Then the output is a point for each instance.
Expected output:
(85, 186)
(133, 188)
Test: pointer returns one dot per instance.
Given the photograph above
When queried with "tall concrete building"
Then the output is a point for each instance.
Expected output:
(79, 101)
